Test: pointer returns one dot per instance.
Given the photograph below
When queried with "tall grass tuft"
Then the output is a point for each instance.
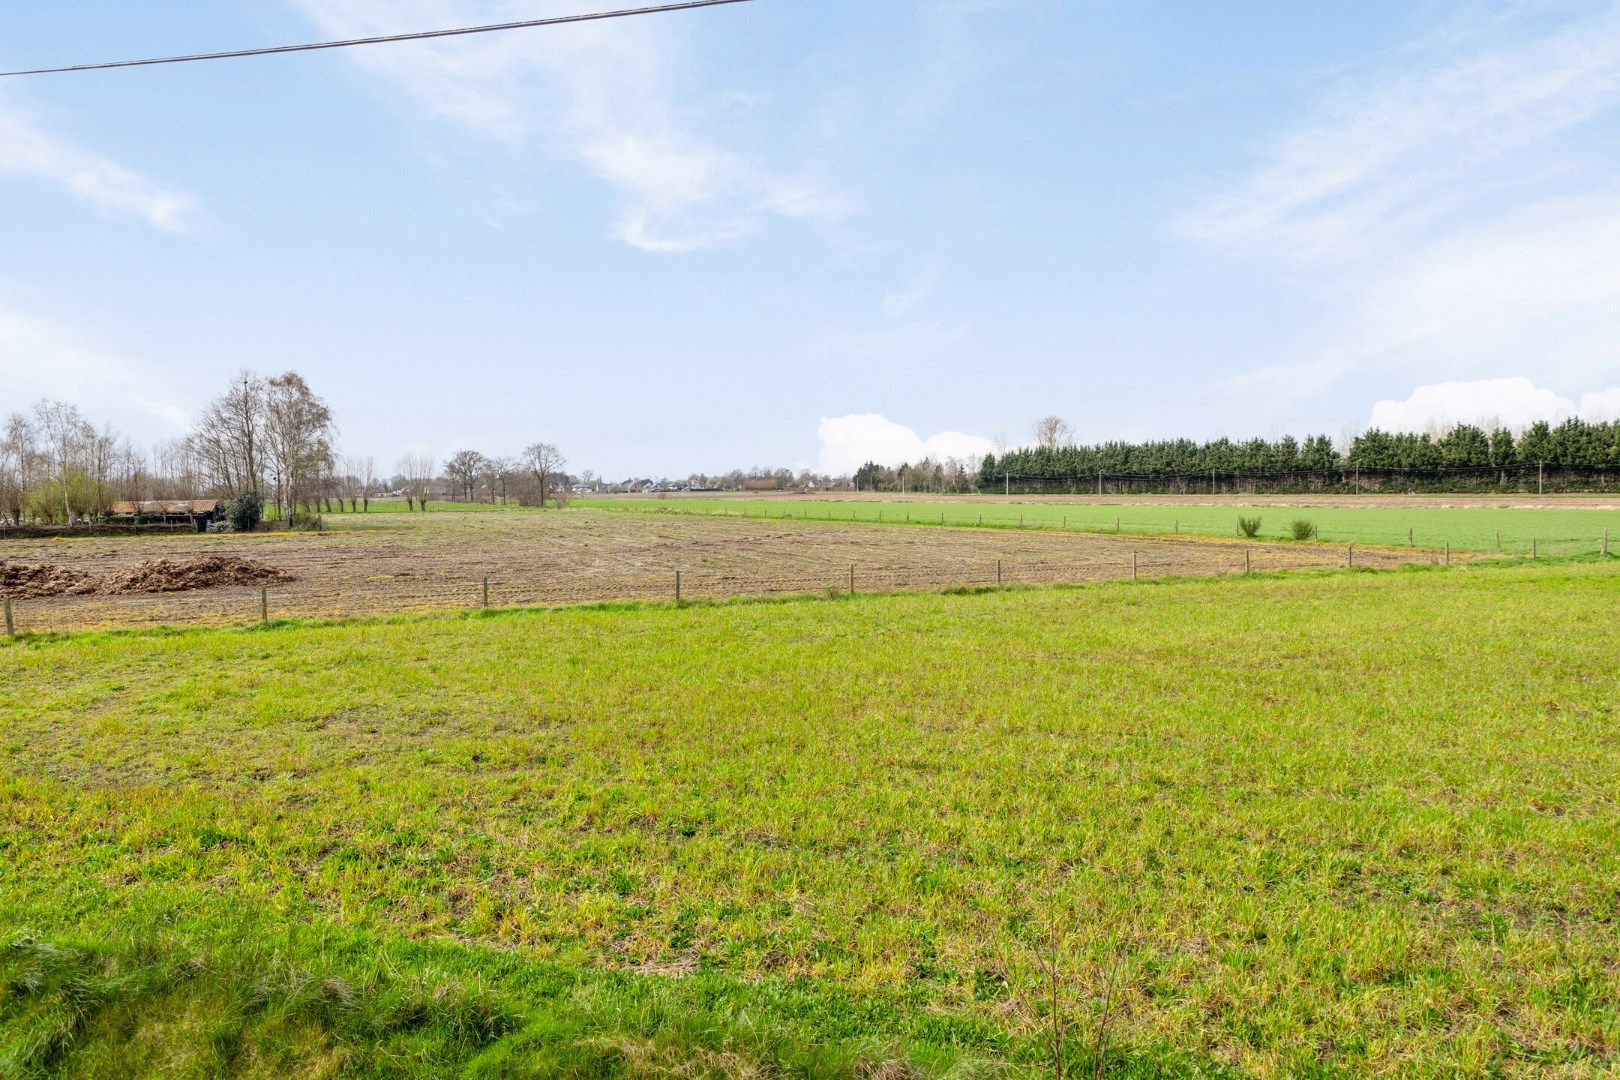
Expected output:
(1249, 526)
(1302, 529)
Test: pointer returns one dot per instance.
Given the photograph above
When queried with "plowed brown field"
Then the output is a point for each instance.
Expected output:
(401, 562)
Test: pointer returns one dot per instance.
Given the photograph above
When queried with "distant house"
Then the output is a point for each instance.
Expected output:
(198, 513)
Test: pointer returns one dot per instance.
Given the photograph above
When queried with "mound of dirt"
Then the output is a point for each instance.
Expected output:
(24, 580)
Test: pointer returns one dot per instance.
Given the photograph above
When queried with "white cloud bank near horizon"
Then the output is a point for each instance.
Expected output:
(848, 442)
(43, 360)
(1512, 402)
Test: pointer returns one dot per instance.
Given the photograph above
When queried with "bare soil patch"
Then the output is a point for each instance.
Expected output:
(398, 562)
(164, 575)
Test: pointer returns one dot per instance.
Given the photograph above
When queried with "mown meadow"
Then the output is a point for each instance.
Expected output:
(1325, 824)
(1510, 530)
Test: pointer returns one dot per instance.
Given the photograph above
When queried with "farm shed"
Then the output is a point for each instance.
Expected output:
(197, 513)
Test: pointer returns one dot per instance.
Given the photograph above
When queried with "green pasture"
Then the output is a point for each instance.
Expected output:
(1324, 824)
(1561, 531)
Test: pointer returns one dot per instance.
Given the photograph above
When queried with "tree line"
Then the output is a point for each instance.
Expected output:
(533, 478)
(263, 440)
(1571, 444)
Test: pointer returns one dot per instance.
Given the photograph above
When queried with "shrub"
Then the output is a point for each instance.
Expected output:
(1301, 529)
(245, 511)
(1249, 527)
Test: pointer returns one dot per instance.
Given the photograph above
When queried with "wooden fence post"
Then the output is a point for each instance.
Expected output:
(677, 586)
(1533, 548)
(486, 590)
(998, 571)
(11, 627)
(1409, 538)
(1133, 566)
(1448, 552)
(264, 604)
(1605, 541)
(1248, 562)
(1350, 556)
(852, 579)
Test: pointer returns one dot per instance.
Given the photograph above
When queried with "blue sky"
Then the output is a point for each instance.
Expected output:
(793, 232)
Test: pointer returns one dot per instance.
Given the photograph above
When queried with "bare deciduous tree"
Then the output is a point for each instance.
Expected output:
(298, 444)
(416, 472)
(464, 470)
(1052, 432)
(228, 436)
(543, 461)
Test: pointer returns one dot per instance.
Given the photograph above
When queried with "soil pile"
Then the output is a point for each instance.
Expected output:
(24, 580)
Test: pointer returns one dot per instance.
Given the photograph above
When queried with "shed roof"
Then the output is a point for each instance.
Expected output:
(167, 506)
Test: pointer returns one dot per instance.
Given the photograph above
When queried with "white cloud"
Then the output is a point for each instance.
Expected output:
(1404, 145)
(1512, 402)
(607, 96)
(848, 442)
(39, 359)
(27, 149)
(1457, 214)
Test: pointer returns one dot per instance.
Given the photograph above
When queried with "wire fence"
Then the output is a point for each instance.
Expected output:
(1083, 519)
(494, 586)
(1517, 478)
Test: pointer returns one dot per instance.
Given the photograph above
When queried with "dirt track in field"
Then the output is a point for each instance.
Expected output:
(402, 562)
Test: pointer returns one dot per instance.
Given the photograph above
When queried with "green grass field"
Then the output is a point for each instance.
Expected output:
(398, 506)
(1560, 531)
(1318, 825)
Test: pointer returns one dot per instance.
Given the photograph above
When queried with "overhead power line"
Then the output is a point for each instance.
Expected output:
(381, 39)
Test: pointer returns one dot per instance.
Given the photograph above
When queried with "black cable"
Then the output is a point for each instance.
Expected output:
(381, 39)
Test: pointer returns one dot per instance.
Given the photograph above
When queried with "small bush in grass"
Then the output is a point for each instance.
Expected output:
(1249, 526)
(1301, 529)
(245, 511)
